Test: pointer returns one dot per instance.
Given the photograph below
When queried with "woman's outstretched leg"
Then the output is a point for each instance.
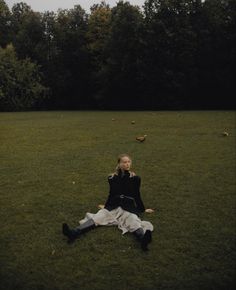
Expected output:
(143, 238)
(72, 234)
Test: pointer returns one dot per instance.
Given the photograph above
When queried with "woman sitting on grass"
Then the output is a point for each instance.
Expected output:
(122, 207)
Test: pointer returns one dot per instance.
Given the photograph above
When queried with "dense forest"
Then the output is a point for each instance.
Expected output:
(168, 54)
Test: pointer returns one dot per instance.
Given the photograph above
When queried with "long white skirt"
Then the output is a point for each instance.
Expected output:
(126, 221)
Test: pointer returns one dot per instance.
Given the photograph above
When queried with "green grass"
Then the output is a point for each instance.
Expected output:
(187, 170)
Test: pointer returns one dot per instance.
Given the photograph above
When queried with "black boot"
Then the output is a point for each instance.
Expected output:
(72, 234)
(144, 239)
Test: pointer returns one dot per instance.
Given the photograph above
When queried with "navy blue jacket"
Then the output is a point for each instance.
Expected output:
(125, 192)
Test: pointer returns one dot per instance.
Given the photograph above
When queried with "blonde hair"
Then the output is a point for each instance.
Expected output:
(118, 165)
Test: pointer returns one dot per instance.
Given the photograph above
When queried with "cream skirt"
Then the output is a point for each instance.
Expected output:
(126, 221)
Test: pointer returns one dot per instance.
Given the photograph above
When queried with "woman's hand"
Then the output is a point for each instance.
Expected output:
(101, 206)
(149, 210)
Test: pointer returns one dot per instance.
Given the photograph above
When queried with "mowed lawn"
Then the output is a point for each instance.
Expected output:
(54, 167)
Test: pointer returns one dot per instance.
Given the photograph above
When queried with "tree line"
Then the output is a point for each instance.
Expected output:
(168, 54)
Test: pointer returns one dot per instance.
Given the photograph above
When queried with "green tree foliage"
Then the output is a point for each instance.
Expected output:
(124, 46)
(99, 30)
(20, 87)
(29, 35)
(170, 54)
(170, 51)
(217, 48)
(70, 63)
(5, 24)
(188, 52)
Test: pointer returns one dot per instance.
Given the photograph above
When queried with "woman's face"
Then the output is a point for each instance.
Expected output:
(125, 163)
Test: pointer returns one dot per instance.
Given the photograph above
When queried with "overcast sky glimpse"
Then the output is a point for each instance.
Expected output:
(53, 5)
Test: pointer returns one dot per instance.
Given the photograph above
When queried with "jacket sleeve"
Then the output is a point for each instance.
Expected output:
(111, 201)
(138, 199)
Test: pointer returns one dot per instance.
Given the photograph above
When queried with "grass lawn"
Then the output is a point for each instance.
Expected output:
(54, 167)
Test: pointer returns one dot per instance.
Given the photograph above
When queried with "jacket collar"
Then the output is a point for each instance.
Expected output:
(124, 173)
